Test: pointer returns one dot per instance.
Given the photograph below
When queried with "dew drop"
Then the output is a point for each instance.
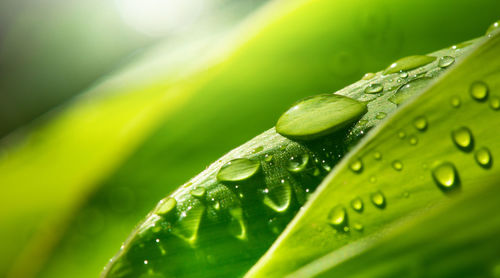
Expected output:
(479, 90)
(381, 115)
(298, 164)
(237, 225)
(338, 217)
(374, 88)
(493, 27)
(446, 177)
(463, 139)
(495, 103)
(258, 149)
(445, 61)
(238, 170)
(373, 179)
(409, 63)
(397, 165)
(358, 227)
(368, 76)
(420, 123)
(166, 206)
(357, 204)
(378, 199)
(278, 197)
(198, 192)
(401, 134)
(377, 155)
(406, 91)
(483, 157)
(413, 140)
(356, 166)
(268, 157)
(403, 74)
(455, 102)
(319, 115)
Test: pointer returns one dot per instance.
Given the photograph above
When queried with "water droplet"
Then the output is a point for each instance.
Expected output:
(357, 204)
(338, 217)
(377, 155)
(460, 45)
(374, 88)
(455, 102)
(403, 74)
(463, 139)
(187, 226)
(358, 227)
(356, 166)
(368, 76)
(380, 115)
(483, 157)
(446, 177)
(378, 199)
(493, 27)
(145, 261)
(258, 149)
(278, 197)
(409, 63)
(445, 61)
(268, 157)
(165, 206)
(401, 134)
(198, 192)
(238, 170)
(495, 103)
(479, 90)
(397, 165)
(413, 140)
(373, 179)
(420, 123)
(319, 115)
(237, 225)
(408, 90)
(298, 164)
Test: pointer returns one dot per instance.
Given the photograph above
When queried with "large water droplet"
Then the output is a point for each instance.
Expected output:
(378, 199)
(445, 61)
(420, 123)
(483, 157)
(479, 90)
(374, 88)
(166, 206)
(455, 102)
(463, 139)
(319, 115)
(357, 204)
(198, 192)
(409, 63)
(397, 165)
(238, 170)
(278, 197)
(338, 217)
(356, 166)
(408, 90)
(495, 103)
(493, 27)
(446, 177)
(188, 224)
(298, 164)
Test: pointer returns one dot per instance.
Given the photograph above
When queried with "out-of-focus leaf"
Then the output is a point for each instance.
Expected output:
(432, 149)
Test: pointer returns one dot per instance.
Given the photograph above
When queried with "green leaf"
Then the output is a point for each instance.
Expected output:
(401, 176)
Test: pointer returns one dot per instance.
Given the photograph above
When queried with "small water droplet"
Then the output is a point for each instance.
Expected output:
(373, 179)
(377, 155)
(406, 91)
(483, 157)
(146, 262)
(338, 217)
(356, 166)
(445, 61)
(420, 123)
(320, 115)
(455, 102)
(258, 149)
(166, 206)
(413, 140)
(237, 226)
(495, 103)
(368, 76)
(397, 165)
(493, 27)
(298, 164)
(401, 134)
(409, 63)
(198, 192)
(381, 115)
(238, 170)
(358, 227)
(446, 177)
(357, 204)
(479, 90)
(268, 157)
(403, 74)
(463, 139)
(378, 199)
(374, 88)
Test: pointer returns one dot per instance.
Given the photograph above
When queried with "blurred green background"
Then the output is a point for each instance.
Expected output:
(107, 106)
